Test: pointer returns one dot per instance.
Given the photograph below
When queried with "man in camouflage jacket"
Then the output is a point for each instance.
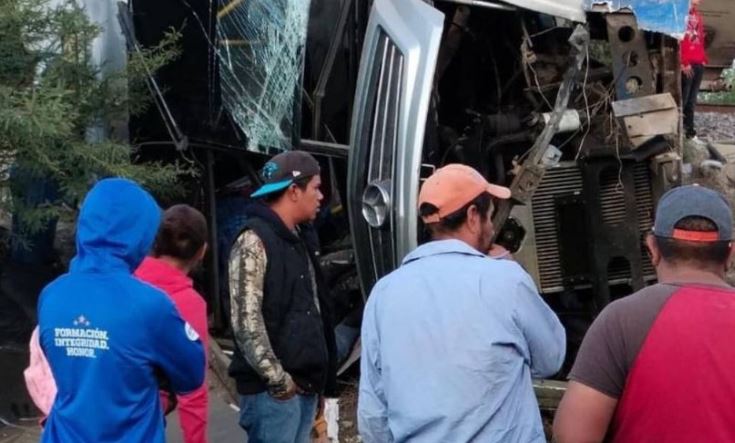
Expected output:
(284, 341)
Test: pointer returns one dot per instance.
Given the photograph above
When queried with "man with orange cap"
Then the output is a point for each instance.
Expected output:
(451, 339)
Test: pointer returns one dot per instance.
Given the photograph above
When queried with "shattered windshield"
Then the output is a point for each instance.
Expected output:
(261, 52)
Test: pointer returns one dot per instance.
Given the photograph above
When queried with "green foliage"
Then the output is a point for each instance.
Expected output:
(726, 97)
(51, 94)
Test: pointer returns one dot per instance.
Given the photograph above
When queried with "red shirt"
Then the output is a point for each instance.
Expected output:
(692, 46)
(681, 387)
(667, 354)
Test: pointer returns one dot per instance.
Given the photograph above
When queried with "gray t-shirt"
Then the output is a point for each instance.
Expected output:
(612, 343)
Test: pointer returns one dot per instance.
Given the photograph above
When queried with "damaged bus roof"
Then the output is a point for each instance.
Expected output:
(664, 16)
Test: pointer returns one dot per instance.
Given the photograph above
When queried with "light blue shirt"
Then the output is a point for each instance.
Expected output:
(450, 341)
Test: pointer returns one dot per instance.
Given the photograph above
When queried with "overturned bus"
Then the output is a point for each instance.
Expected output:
(573, 105)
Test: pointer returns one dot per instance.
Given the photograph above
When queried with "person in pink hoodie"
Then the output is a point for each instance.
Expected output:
(179, 248)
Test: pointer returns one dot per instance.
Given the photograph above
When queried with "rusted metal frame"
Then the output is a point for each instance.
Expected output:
(532, 171)
(621, 240)
(666, 168)
(630, 56)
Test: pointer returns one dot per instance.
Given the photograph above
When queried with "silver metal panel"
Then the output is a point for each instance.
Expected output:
(414, 30)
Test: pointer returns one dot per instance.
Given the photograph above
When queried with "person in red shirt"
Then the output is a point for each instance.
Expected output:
(657, 366)
(179, 248)
(693, 58)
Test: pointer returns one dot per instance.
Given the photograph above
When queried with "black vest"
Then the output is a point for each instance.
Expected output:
(301, 336)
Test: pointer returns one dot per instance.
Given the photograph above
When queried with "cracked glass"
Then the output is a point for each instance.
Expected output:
(261, 57)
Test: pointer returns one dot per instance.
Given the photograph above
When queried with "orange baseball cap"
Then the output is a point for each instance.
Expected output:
(451, 187)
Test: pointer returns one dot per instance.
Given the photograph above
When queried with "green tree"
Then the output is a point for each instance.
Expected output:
(51, 94)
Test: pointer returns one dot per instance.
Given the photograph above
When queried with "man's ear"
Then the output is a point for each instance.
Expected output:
(731, 256)
(293, 192)
(202, 252)
(653, 250)
(473, 219)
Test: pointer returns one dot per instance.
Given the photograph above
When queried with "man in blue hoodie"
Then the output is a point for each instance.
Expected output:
(107, 335)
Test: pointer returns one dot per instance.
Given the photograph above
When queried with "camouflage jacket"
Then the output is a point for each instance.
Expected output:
(247, 267)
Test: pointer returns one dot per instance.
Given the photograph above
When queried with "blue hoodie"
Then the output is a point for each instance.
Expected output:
(107, 334)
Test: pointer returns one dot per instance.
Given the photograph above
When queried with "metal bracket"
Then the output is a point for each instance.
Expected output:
(540, 157)
(631, 65)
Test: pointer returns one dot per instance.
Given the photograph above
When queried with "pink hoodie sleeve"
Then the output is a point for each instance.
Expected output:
(39, 379)
(193, 406)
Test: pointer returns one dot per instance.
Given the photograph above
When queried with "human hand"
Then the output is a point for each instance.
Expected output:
(319, 429)
(287, 391)
(497, 251)
(687, 71)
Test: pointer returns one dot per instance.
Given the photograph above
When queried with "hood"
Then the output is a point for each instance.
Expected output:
(163, 276)
(116, 227)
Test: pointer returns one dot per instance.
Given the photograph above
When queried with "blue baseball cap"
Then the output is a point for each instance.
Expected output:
(693, 201)
(282, 170)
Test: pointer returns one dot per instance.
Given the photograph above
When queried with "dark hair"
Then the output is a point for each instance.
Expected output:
(700, 253)
(300, 183)
(182, 234)
(453, 221)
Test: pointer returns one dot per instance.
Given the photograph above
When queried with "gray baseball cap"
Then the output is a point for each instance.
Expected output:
(693, 201)
(285, 168)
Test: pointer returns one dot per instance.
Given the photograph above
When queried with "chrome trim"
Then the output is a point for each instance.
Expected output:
(376, 203)
(391, 104)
